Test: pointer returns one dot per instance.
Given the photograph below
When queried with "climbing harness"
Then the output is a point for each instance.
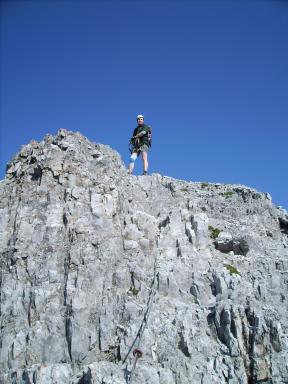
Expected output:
(135, 144)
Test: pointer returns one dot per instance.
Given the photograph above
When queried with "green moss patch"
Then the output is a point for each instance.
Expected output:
(214, 232)
(133, 291)
(232, 270)
(227, 194)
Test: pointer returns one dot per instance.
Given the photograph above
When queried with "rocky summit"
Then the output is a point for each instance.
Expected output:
(110, 278)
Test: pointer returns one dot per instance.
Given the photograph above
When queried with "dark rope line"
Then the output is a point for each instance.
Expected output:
(144, 321)
(137, 340)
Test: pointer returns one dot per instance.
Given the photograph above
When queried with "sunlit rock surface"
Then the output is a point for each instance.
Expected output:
(96, 264)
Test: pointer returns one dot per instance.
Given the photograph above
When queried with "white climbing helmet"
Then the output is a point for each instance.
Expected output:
(139, 116)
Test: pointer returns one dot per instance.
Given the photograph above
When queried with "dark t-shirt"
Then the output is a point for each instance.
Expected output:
(143, 139)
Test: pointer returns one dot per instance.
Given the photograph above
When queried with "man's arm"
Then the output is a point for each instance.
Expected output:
(142, 133)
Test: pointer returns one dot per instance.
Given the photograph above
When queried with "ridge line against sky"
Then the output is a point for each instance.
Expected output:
(211, 77)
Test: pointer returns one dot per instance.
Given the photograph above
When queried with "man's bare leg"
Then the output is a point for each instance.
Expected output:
(145, 162)
(132, 162)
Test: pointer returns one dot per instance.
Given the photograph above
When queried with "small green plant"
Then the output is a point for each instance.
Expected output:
(232, 270)
(133, 291)
(227, 194)
(214, 232)
(204, 185)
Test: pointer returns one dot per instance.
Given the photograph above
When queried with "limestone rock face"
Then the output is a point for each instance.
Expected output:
(112, 278)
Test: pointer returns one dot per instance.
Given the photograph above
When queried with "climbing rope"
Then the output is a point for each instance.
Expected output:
(137, 353)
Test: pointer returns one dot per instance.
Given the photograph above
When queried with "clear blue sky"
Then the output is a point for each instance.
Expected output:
(211, 77)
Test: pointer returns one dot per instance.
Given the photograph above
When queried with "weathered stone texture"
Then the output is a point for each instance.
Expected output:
(93, 259)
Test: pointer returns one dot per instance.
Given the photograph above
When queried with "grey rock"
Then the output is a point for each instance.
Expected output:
(224, 242)
(96, 263)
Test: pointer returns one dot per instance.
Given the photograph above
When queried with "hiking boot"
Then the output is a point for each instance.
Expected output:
(144, 173)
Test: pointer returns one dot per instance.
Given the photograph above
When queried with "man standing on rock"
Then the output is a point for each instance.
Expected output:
(140, 144)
